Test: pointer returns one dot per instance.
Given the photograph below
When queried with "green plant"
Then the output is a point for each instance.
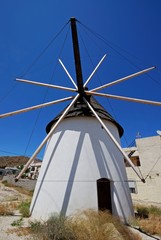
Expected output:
(17, 223)
(5, 182)
(24, 208)
(35, 226)
(153, 210)
(142, 212)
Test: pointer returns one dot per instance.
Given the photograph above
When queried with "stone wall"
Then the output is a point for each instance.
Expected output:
(25, 183)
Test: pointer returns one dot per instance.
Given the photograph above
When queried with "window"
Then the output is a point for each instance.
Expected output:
(132, 186)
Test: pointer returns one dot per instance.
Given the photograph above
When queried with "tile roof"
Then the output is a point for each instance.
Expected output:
(80, 109)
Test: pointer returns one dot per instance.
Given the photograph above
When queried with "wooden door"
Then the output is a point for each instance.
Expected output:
(104, 194)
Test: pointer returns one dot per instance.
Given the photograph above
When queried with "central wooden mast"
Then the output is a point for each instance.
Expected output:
(78, 67)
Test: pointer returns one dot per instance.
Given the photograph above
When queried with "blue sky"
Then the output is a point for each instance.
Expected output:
(132, 35)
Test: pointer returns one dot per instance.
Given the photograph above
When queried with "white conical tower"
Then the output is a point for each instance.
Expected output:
(82, 168)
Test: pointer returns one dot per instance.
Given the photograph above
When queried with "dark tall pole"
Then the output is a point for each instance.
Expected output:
(77, 57)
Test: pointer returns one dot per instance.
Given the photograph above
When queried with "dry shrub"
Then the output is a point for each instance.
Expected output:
(96, 225)
(87, 225)
(53, 229)
(151, 225)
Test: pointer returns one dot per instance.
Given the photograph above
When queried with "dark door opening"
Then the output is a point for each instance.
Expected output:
(104, 194)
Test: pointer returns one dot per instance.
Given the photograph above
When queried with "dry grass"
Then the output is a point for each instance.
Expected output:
(152, 223)
(99, 225)
(7, 209)
(87, 225)
(20, 231)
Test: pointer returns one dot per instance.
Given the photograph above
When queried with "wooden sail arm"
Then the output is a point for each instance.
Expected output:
(89, 78)
(123, 79)
(35, 107)
(46, 85)
(67, 73)
(138, 100)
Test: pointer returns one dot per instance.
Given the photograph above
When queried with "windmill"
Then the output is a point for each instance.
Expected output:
(83, 165)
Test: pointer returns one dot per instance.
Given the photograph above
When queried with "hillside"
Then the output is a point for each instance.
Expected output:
(13, 161)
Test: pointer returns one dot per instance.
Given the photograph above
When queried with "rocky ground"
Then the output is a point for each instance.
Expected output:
(10, 232)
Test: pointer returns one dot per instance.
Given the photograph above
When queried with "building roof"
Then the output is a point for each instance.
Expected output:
(81, 109)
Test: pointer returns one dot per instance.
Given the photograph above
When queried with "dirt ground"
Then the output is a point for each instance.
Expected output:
(9, 232)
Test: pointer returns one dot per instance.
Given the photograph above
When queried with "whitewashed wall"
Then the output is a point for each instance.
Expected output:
(78, 154)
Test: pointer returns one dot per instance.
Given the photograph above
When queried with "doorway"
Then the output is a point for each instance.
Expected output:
(104, 194)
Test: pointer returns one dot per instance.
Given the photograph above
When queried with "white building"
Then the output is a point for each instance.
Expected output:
(147, 156)
(34, 170)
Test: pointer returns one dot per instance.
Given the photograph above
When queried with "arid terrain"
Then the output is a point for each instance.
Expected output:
(10, 197)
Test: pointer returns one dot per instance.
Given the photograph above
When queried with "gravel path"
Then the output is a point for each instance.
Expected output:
(8, 232)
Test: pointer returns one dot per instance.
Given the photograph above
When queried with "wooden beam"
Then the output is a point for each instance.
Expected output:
(138, 100)
(123, 79)
(77, 59)
(34, 107)
(94, 70)
(46, 85)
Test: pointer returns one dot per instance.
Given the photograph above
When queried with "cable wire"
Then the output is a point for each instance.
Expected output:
(8, 92)
(43, 51)
(153, 167)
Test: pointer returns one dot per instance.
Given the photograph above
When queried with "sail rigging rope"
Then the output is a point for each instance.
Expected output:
(112, 47)
(8, 92)
(119, 53)
(44, 50)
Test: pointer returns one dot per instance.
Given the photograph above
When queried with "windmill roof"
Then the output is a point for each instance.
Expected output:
(80, 109)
